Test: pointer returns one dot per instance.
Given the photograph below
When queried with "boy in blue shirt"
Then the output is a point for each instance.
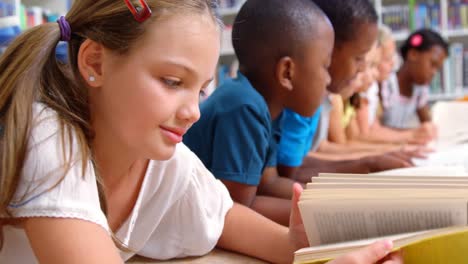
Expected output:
(355, 24)
(284, 50)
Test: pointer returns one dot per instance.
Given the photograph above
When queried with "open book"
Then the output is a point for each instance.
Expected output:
(339, 208)
(452, 123)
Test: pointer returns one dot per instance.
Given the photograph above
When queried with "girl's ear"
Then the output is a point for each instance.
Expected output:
(412, 56)
(285, 73)
(90, 61)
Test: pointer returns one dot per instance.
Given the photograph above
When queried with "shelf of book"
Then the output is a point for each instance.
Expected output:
(448, 96)
(463, 32)
(227, 52)
(56, 6)
(401, 35)
(9, 21)
(228, 11)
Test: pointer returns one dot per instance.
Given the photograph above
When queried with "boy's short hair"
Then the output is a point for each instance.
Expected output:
(266, 30)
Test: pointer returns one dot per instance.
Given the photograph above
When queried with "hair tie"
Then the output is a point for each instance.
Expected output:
(65, 29)
(416, 40)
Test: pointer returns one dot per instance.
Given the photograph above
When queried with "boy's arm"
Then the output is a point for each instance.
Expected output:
(313, 166)
(287, 171)
(274, 208)
(274, 185)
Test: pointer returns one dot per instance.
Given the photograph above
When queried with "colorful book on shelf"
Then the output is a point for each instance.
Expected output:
(343, 212)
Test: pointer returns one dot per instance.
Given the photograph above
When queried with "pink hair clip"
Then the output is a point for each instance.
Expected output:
(142, 14)
(416, 40)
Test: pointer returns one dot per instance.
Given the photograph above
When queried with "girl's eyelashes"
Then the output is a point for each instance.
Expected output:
(202, 93)
(172, 82)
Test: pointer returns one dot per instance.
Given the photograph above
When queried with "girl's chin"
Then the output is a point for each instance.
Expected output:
(165, 154)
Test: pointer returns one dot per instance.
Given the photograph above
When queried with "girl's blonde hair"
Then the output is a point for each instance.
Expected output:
(30, 73)
(384, 35)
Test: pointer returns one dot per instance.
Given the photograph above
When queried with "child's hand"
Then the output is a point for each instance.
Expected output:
(424, 134)
(388, 161)
(375, 253)
(431, 129)
(297, 233)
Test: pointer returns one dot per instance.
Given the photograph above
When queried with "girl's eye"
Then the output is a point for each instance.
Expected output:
(202, 94)
(172, 82)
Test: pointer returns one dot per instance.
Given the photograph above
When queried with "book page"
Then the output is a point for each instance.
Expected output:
(457, 170)
(396, 177)
(333, 221)
(452, 123)
(386, 185)
(455, 156)
(435, 180)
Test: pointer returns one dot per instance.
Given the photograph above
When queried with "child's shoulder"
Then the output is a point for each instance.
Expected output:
(233, 96)
(45, 122)
(49, 149)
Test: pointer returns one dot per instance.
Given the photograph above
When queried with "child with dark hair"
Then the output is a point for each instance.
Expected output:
(355, 25)
(406, 92)
(284, 50)
(92, 159)
(370, 126)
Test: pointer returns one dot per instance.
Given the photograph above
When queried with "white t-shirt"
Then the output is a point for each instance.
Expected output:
(399, 111)
(179, 212)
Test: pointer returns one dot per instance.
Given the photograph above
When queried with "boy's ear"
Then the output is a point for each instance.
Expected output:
(285, 72)
(90, 61)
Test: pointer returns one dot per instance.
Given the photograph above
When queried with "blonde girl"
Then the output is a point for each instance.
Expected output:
(91, 159)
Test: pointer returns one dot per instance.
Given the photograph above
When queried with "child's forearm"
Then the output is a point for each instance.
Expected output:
(382, 134)
(249, 233)
(273, 208)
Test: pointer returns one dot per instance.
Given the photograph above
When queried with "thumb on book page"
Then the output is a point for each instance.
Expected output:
(371, 254)
(295, 218)
(296, 228)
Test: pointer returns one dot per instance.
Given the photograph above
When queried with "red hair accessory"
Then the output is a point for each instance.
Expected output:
(140, 14)
(416, 40)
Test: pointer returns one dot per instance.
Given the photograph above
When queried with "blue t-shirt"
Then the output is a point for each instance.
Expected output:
(296, 136)
(234, 136)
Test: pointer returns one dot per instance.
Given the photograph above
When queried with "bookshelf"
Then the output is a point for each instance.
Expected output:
(450, 19)
(55, 6)
(8, 13)
(18, 15)
(10, 10)
(228, 10)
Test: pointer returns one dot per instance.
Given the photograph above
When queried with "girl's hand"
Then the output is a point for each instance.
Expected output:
(379, 252)
(297, 233)
(375, 253)
(430, 129)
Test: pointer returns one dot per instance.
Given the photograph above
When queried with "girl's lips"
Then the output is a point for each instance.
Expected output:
(174, 134)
